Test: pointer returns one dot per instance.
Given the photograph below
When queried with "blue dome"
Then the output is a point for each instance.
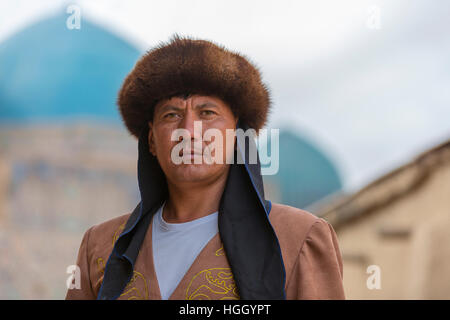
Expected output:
(305, 174)
(50, 72)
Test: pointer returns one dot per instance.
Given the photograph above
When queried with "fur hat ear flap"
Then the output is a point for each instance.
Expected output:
(192, 66)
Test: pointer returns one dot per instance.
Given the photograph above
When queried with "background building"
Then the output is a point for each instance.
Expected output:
(399, 223)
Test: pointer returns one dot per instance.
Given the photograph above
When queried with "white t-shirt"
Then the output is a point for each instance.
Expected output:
(176, 245)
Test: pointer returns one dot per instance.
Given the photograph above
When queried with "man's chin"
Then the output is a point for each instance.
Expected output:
(194, 172)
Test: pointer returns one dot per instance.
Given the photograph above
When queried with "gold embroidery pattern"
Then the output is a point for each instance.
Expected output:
(132, 290)
(101, 265)
(118, 232)
(101, 270)
(220, 252)
(212, 284)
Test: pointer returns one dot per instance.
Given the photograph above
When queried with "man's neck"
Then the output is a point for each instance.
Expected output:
(190, 202)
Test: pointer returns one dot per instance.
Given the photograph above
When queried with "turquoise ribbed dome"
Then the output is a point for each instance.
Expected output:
(305, 173)
(50, 72)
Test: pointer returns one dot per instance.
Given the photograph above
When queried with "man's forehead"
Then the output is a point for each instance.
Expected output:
(194, 100)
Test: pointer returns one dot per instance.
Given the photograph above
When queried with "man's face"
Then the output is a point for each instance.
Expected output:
(178, 113)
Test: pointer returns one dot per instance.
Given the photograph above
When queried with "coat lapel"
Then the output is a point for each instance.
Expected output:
(208, 278)
(144, 284)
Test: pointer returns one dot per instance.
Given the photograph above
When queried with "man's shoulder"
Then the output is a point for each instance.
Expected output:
(290, 219)
(105, 234)
(111, 224)
(292, 226)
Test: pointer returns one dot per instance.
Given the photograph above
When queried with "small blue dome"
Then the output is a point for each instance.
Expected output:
(305, 174)
(50, 72)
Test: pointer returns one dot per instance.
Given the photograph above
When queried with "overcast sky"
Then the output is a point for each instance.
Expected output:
(367, 81)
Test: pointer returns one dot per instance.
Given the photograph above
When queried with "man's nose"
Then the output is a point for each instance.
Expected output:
(189, 123)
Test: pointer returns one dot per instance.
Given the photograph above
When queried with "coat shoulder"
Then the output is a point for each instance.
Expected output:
(291, 222)
(311, 254)
(292, 226)
(111, 224)
(96, 246)
(103, 235)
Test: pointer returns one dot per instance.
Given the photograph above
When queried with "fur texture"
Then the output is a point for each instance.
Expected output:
(193, 66)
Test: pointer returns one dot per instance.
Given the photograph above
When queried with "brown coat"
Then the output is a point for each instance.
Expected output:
(308, 244)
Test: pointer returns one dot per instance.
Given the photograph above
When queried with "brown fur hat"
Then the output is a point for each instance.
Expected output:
(193, 66)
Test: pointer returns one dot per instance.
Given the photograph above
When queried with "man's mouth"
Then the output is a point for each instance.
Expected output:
(191, 153)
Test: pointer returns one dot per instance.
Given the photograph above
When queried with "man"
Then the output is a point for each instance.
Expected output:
(203, 230)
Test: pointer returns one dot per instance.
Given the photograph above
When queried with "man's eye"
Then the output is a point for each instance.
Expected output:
(170, 115)
(207, 113)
